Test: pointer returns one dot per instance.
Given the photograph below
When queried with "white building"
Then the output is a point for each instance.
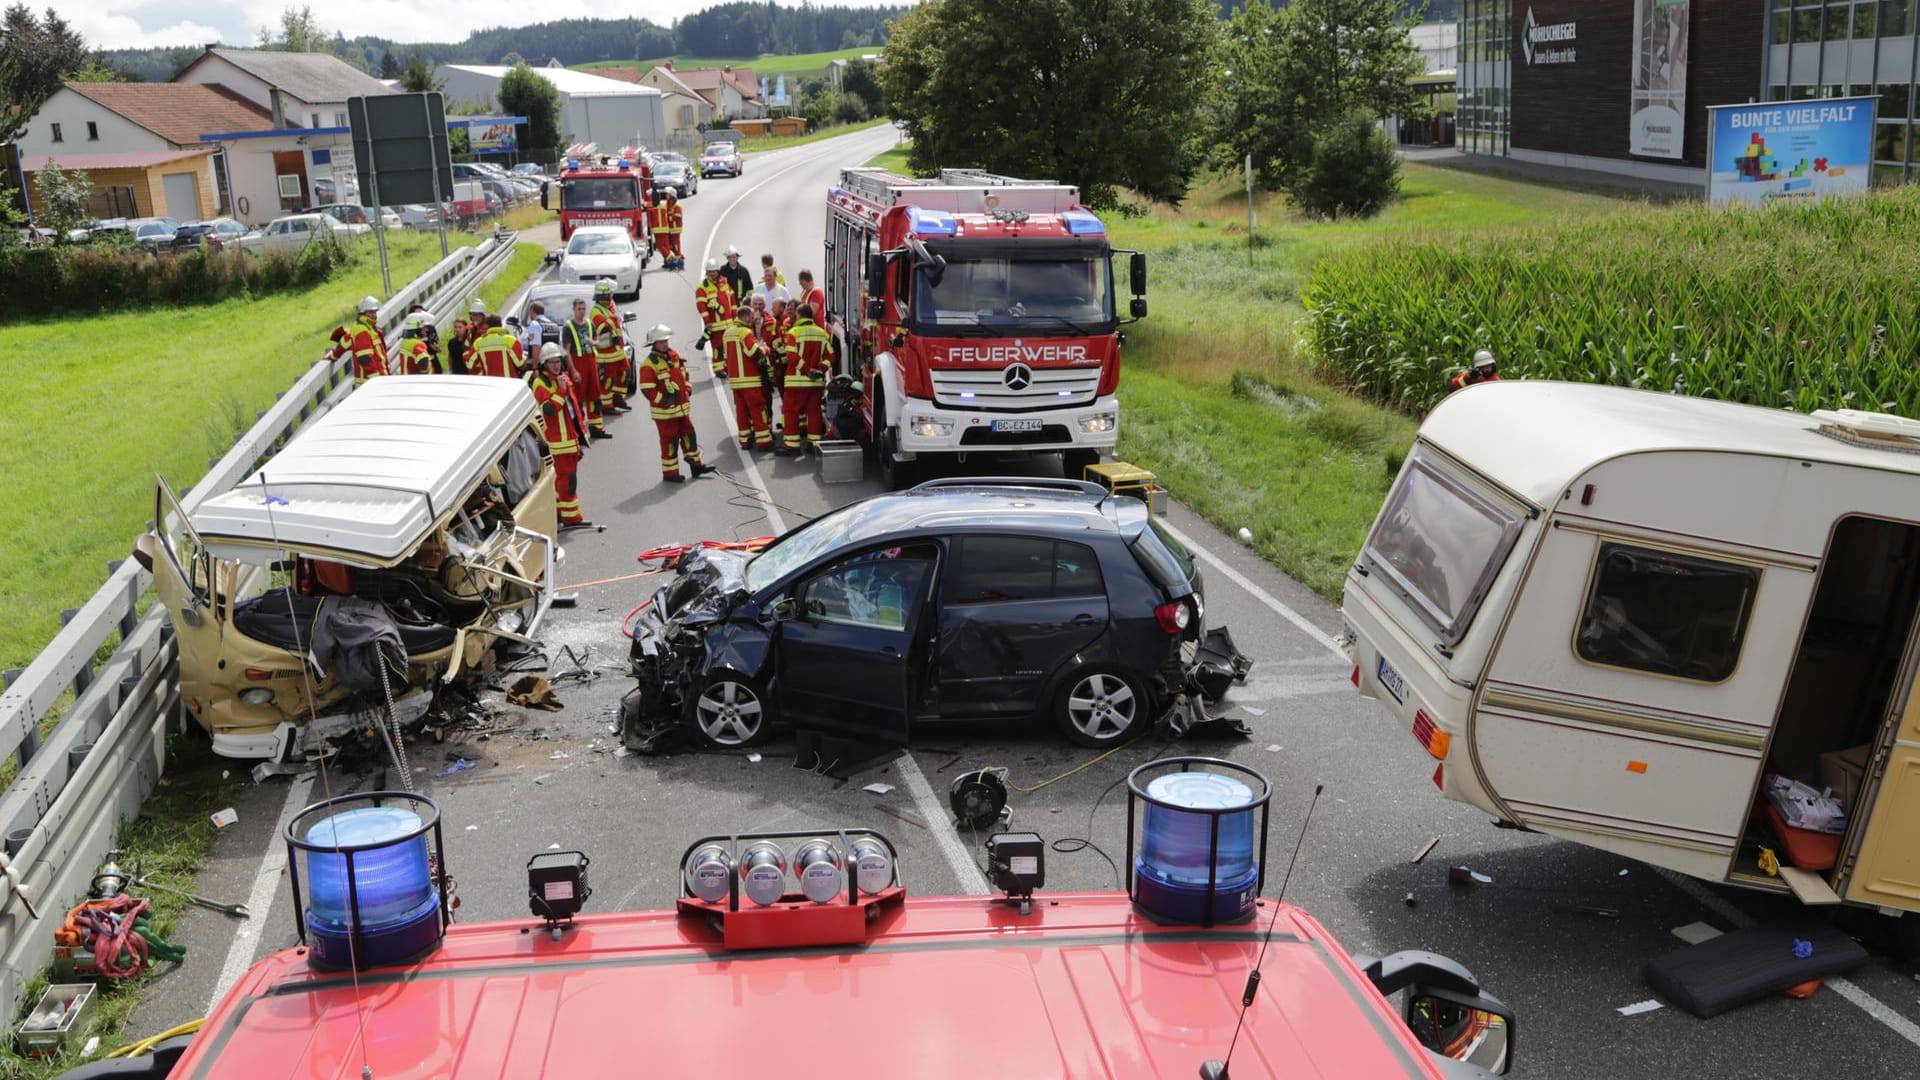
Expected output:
(593, 109)
(302, 155)
(1439, 45)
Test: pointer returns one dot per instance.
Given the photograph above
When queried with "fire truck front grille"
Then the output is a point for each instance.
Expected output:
(1028, 390)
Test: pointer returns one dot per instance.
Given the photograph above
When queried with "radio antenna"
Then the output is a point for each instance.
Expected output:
(1217, 1070)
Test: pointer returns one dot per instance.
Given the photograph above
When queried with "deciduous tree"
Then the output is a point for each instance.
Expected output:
(1104, 94)
(1287, 75)
(36, 54)
(524, 93)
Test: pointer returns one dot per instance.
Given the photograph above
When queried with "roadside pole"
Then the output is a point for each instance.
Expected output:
(1250, 221)
(379, 227)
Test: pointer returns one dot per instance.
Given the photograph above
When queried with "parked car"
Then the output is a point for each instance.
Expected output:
(294, 232)
(354, 214)
(602, 251)
(153, 234)
(418, 216)
(966, 599)
(721, 159)
(210, 235)
(675, 176)
(529, 170)
(556, 299)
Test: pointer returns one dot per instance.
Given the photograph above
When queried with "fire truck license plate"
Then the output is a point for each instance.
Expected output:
(1016, 425)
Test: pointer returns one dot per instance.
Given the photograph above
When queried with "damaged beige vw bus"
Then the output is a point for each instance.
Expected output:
(385, 551)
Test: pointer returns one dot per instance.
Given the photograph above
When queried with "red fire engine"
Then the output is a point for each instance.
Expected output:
(603, 189)
(805, 947)
(980, 309)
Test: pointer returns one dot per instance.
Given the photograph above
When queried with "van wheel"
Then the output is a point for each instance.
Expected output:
(732, 711)
(1101, 707)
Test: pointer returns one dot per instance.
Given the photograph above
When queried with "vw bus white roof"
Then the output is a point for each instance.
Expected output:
(365, 482)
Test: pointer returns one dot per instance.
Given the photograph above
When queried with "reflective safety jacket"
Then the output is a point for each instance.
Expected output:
(497, 353)
(809, 352)
(369, 347)
(609, 340)
(665, 384)
(671, 217)
(716, 302)
(741, 356)
(413, 357)
(559, 413)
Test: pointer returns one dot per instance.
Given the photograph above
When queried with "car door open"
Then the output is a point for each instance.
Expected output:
(850, 658)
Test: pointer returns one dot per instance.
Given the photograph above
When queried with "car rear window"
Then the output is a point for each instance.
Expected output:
(995, 569)
(1167, 561)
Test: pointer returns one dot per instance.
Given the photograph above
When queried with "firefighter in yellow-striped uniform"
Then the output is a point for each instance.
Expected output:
(564, 428)
(741, 360)
(413, 356)
(808, 349)
(610, 350)
(668, 388)
(496, 352)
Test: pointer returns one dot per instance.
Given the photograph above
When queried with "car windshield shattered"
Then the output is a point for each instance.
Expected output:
(797, 548)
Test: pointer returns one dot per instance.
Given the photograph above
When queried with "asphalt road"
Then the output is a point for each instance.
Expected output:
(553, 779)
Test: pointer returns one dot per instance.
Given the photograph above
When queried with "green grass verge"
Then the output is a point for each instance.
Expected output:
(118, 398)
(169, 840)
(894, 161)
(781, 142)
(1217, 398)
(526, 259)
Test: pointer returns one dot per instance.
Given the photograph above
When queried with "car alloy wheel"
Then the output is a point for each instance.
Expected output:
(1100, 708)
(731, 711)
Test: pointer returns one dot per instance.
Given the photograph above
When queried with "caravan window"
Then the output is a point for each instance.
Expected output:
(1666, 614)
(1440, 542)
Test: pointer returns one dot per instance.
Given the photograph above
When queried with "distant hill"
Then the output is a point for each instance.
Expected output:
(731, 29)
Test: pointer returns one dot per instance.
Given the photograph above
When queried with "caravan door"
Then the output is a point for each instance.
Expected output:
(1886, 866)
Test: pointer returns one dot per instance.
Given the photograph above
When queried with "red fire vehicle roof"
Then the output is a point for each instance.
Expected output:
(959, 987)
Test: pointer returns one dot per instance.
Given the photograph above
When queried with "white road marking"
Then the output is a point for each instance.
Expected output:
(1313, 632)
(965, 870)
(1846, 988)
(266, 886)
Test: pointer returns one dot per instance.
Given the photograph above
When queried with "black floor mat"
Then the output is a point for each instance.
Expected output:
(1716, 975)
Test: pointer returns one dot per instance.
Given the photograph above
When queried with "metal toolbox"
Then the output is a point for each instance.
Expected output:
(55, 1018)
(841, 462)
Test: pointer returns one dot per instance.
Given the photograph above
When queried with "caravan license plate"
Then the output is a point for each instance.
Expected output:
(1391, 679)
(1016, 425)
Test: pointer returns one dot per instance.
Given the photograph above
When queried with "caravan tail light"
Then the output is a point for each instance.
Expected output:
(1430, 736)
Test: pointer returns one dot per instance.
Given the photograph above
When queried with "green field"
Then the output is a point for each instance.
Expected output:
(116, 398)
(1218, 400)
(799, 65)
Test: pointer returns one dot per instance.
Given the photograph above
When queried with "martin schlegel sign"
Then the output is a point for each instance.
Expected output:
(1549, 43)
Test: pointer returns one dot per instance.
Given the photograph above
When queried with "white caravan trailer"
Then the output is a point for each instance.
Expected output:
(1608, 613)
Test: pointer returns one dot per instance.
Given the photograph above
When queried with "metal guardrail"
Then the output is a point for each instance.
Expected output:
(100, 762)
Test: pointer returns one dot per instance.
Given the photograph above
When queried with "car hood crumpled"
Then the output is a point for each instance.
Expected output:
(710, 583)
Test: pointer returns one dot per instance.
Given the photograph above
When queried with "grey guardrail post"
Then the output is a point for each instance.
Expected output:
(59, 815)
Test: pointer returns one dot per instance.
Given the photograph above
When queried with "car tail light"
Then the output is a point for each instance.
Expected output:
(1173, 617)
(1356, 674)
(1430, 736)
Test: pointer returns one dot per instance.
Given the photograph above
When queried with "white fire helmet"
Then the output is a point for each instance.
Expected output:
(552, 351)
(714, 265)
(416, 321)
(659, 333)
(369, 303)
(1483, 359)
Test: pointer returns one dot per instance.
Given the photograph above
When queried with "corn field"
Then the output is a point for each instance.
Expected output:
(1802, 307)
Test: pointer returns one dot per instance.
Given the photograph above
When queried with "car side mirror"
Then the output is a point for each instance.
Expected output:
(876, 274)
(782, 610)
(1137, 273)
(552, 257)
(628, 316)
(876, 309)
(1473, 1028)
(1138, 308)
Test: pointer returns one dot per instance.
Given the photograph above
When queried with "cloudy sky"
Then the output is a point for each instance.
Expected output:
(115, 24)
